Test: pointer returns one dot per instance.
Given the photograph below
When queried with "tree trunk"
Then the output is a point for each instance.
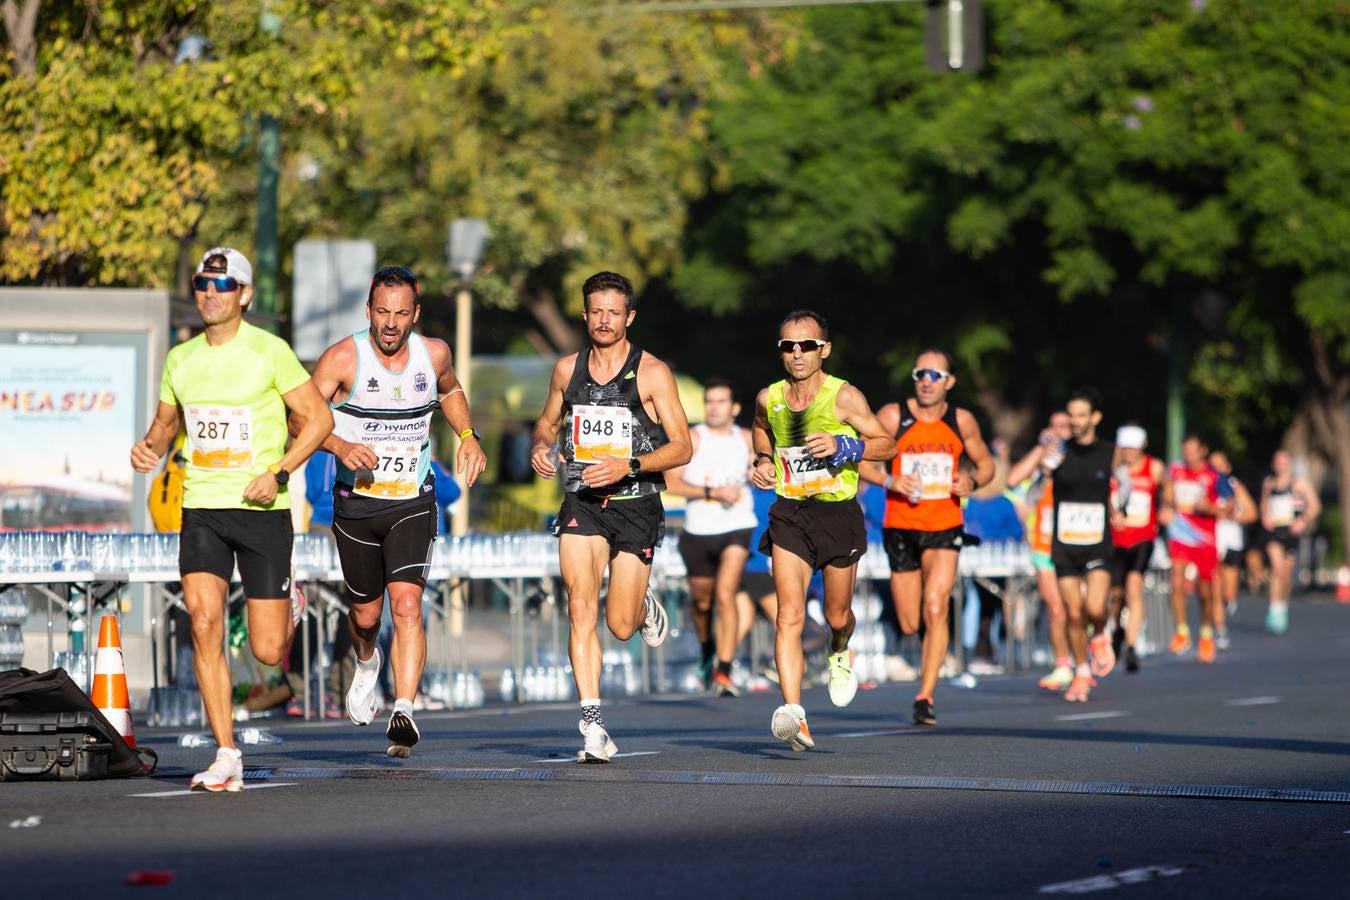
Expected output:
(1329, 412)
(21, 26)
(543, 305)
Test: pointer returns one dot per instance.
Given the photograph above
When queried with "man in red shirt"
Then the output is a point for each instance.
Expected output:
(1196, 496)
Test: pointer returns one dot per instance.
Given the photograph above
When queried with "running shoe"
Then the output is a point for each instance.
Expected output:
(1205, 649)
(1101, 656)
(362, 700)
(655, 626)
(298, 601)
(790, 727)
(1277, 619)
(1221, 640)
(225, 774)
(723, 686)
(1080, 689)
(843, 683)
(1057, 680)
(402, 733)
(706, 667)
(1131, 660)
(597, 747)
(924, 713)
(1180, 643)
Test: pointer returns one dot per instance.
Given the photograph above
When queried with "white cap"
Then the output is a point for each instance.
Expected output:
(1131, 437)
(236, 264)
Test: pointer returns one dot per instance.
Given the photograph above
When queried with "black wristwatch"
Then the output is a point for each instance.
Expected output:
(634, 467)
(280, 475)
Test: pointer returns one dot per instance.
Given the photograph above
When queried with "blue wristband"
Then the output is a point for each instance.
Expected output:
(847, 449)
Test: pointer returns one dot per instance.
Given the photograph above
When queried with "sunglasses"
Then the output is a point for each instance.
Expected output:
(933, 375)
(395, 270)
(224, 283)
(806, 345)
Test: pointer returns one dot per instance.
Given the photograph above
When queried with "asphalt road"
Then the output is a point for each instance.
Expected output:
(1180, 780)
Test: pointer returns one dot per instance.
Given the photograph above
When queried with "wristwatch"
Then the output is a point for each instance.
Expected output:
(280, 474)
(634, 467)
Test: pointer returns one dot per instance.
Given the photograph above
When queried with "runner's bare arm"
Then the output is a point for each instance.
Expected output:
(1245, 508)
(1163, 492)
(977, 452)
(1312, 507)
(852, 409)
(878, 472)
(332, 378)
(146, 452)
(470, 459)
(656, 384)
(551, 419)
(306, 401)
(762, 470)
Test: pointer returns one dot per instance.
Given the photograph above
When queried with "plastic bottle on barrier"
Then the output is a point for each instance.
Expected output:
(256, 736)
(196, 740)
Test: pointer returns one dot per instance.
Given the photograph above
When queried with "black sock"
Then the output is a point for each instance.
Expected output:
(838, 641)
(590, 712)
(707, 649)
(724, 668)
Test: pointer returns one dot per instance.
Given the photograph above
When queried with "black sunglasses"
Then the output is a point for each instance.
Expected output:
(806, 345)
(224, 283)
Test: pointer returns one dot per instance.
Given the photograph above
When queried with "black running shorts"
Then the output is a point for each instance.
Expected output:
(822, 532)
(905, 546)
(635, 525)
(258, 540)
(1125, 560)
(1076, 562)
(377, 551)
(1284, 538)
(702, 553)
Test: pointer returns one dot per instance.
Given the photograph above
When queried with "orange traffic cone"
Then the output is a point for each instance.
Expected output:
(1343, 584)
(110, 680)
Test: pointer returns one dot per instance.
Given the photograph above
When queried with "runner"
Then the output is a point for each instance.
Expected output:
(718, 522)
(386, 382)
(811, 431)
(232, 385)
(1198, 495)
(1082, 544)
(1289, 508)
(1034, 472)
(606, 410)
(1134, 527)
(923, 525)
(1231, 539)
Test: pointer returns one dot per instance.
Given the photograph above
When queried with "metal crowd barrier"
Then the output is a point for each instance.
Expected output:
(78, 572)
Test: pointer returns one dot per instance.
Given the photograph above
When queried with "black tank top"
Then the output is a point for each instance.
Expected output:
(645, 435)
(1085, 474)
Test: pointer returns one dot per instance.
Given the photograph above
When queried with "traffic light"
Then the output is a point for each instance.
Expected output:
(954, 35)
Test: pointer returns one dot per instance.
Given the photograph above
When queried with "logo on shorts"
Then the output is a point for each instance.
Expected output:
(286, 584)
(572, 524)
(647, 552)
(420, 382)
(373, 385)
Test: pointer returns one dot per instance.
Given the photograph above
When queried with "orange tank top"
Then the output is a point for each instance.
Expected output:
(933, 451)
(1042, 535)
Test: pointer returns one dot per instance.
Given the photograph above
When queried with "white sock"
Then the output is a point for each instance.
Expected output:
(797, 710)
(1083, 669)
(366, 664)
(403, 705)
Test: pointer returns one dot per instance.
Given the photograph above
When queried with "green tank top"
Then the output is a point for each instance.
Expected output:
(800, 476)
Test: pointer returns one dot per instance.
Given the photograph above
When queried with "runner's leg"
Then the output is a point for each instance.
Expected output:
(204, 596)
(791, 577)
(939, 574)
(583, 559)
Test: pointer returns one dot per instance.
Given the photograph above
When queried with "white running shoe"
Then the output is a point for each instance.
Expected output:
(791, 728)
(656, 626)
(402, 733)
(298, 601)
(225, 774)
(598, 748)
(361, 700)
(843, 683)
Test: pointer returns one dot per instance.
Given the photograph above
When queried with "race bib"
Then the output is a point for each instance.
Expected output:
(394, 476)
(806, 476)
(601, 431)
(1187, 494)
(1281, 508)
(221, 436)
(1080, 524)
(934, 471)
(1138, 509)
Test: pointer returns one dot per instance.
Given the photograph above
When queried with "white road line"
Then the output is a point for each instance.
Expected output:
(573, 759)
(1084, 717)
(247, 787)
(913, 729)
(1111, 881)
(1252, 701)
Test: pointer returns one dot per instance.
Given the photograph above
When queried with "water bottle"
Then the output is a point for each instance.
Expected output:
(916, 495)
(196, 740)
(555, 457)
(256, 736)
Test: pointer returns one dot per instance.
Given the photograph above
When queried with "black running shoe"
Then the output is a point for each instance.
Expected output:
(1131, 660)
(1117, 638)
(402, 733)
(924, 714)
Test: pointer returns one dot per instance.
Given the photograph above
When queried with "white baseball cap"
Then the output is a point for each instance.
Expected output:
(236, 264)
(1131, 437)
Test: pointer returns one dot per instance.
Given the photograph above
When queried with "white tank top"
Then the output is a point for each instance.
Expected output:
(1229, 536)
(721, 459)
(390, 412)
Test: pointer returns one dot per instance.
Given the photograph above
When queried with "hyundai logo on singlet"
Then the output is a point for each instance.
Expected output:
(392, 427)
(374, 426)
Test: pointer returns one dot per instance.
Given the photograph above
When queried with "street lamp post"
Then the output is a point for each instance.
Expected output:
(464, 249)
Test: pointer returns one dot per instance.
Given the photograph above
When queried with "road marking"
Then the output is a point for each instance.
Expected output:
(188, 793)
(1112, 881)
(1252, 701)
(913, 729)
(572, 759)
(1084, 717)
(621, 774)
